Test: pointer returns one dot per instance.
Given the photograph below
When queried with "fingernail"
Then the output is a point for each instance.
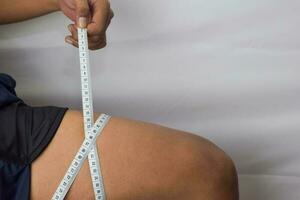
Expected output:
(68, 40)
(82, 22)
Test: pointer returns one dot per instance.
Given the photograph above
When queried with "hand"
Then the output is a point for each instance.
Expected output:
(95, 15)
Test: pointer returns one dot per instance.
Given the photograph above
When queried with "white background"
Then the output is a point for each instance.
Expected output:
(225, 70)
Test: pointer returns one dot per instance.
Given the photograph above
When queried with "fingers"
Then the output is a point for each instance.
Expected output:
(94, 42)
(100, 15)
(100, 43)
(100, 9)
(82, 13)
(73, 30)
(94, 46)
(92, 38)
(71, 41)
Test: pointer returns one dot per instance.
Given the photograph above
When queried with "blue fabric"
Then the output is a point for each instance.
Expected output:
(14, 181)
(14, 177)
(7, 90)
(25, 131)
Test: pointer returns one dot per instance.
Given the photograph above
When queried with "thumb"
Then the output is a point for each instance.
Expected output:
(82, 13)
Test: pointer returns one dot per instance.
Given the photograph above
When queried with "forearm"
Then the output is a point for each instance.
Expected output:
(19, 10)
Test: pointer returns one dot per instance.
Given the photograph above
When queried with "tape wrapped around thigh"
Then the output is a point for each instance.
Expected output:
(89, 130)
(79, 158)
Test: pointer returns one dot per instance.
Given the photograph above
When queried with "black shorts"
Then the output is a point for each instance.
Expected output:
(25, 131)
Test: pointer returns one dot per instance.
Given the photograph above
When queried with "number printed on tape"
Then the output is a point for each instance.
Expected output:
(88, 148)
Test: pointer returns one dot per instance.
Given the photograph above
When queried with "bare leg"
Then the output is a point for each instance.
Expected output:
(139, 161)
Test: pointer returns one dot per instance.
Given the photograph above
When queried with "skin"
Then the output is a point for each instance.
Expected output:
(98, 16)
(139, 160)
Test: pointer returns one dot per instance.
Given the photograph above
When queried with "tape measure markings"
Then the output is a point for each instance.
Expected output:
(87, 105)
(89, 130)
(79, 158)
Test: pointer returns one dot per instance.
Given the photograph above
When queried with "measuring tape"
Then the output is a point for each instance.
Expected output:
(81, 155)
(90, 131)
(87, 106)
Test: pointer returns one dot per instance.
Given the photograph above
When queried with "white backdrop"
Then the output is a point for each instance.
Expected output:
(225, 70)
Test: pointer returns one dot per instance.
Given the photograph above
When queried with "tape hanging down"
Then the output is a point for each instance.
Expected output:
(88, 148)
(87, 106)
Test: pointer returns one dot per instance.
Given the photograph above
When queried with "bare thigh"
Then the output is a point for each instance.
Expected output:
(138, 160)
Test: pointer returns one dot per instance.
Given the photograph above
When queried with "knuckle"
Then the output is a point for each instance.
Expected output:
(102, 45)
(97, 31)
(94, 39)
(93, 48)
(98, 46)
(112, 14)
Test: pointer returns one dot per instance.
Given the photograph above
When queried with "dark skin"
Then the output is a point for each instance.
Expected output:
(98, 16)
(95, 15)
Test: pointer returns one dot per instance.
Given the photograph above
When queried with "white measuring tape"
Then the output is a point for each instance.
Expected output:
(88, 147)
(88, 113)
(80, 156)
